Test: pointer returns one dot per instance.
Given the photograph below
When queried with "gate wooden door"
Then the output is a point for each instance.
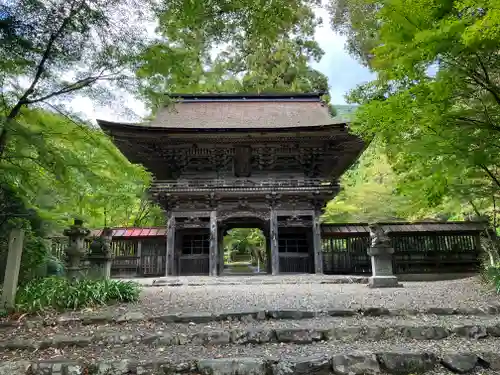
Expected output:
(153, 257)
(195, 254)
(294, 252)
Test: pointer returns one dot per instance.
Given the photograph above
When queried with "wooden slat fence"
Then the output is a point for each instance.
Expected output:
(132, 257)
(420, 248)
(416, 252)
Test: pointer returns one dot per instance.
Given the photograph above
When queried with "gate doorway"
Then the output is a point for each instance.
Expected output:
(245, 252)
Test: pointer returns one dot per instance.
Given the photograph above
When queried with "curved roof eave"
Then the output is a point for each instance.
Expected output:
(145, 128)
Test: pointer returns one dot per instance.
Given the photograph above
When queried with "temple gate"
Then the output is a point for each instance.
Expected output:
(222, 161)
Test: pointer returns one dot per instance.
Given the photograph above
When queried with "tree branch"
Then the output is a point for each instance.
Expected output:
(77, 85)
(490, 174)
(38, 73)
(476, 77)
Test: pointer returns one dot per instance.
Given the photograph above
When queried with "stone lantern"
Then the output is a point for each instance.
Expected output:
(381, 252)
(101, 256)
(76, 250)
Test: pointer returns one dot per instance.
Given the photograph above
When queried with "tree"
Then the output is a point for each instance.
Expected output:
(249, 241)
(368, 192)
(54, 49)
(435, 103)
(245, 47)
(61, 169)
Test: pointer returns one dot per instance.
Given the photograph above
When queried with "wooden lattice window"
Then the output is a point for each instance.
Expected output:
(293, 243)
(196, 244)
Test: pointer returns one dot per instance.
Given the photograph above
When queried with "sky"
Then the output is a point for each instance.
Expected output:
(343, 72)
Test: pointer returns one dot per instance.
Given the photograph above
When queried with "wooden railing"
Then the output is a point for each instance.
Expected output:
(241, 183)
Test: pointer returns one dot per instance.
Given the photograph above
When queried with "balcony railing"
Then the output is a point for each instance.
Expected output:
(241, 183)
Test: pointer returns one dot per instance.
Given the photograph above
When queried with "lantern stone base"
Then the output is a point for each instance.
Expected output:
(383, 276)
(384, 282)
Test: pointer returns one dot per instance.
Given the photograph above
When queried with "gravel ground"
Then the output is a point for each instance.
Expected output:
(145, 329)
(465, 293)
(223, 298)
(182, 353)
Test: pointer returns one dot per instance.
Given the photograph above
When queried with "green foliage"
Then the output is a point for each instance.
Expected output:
(60, 294)
(61, 169)
(53, 49)
(235, 51)
(35, 251)
(493, 275)
(245, 241)
(369, 192)
(435, 103)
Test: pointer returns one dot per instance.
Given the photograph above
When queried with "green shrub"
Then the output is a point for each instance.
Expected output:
(57, 293)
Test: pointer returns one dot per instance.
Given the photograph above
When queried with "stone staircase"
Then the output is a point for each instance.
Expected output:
(358, 341)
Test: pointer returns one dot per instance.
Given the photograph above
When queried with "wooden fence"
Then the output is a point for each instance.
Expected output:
(135, 257)
(419, 248)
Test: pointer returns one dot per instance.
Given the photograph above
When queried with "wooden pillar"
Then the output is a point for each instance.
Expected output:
(317, 250)
(214, 244)
(16, 239)
(273, 230)
(269, 258)
(140, 268)
(170, 259)
(220, 247)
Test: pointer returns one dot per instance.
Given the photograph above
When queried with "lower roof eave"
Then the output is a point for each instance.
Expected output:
(131, 128)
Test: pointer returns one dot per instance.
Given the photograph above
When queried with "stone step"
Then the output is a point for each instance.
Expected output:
(256, 336)
(326, 328)
(346, 363)
(206, 317)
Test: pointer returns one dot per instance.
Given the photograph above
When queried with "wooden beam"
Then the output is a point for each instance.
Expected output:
(170, 266)
(214, 244)
(295, 212)
(275, 256)
(183, 214)
(317, 250)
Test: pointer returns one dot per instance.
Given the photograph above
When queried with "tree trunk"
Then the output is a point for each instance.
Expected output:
(3, 132)
(3, 141)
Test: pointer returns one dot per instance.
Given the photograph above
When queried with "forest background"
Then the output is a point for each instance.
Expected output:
(430, 114)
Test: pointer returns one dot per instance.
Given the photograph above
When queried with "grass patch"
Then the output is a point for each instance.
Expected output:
(60, 294)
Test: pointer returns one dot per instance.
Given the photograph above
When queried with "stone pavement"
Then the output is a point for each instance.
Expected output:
(276, 329)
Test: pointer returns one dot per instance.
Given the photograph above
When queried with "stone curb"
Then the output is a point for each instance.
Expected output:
(262, 336)
(343, 280)
(201, 317)
(401, 362)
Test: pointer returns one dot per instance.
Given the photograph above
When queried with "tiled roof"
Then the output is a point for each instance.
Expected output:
(238, 111)
(362, 228)
(133, 232)
(243, 115)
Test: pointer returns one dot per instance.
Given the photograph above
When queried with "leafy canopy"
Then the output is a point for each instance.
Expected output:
(62, 169)
(237, 46)
(435, 103)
